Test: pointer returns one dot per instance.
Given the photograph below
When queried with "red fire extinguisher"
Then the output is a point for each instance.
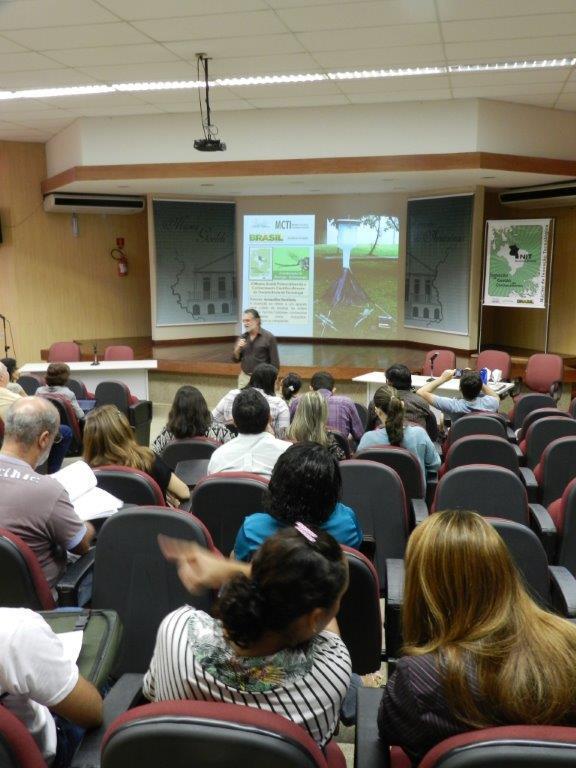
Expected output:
(120, 257)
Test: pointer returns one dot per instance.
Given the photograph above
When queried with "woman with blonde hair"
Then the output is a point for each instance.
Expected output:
(309, 424)
(390, 411)
(108, 439)
(479, 651)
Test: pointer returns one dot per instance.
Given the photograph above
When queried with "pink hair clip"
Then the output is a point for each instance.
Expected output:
(306, 532)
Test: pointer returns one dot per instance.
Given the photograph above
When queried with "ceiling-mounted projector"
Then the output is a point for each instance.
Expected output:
(209, 143)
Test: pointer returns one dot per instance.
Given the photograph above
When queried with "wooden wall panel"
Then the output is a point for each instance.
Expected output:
(60, 286)
(526, 328)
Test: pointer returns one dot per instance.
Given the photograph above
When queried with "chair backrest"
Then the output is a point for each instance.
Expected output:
(476, 424)
(494, 358)
(30, 382)
(181, 734)
(489, 490)
(542, 432)
(64, 352)
(572, 407)
(79, 388)
(403, 462)
(362, 413)
(17, 746)
(481, 449)
(444, 360)
(513, 746)
(187, 449)
(118, 352)
(113, 393)
(376, 494)
(557, 466)
(67, 416)
(130, 485)
(222, 501)
(563, 512)
(529, 556)
(22, 581)
(132, 577)
(359, 617)
(342, 442)
(535, 415)
(525, 404)
(542, 371)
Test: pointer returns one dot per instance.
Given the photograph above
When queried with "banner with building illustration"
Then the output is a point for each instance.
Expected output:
(195, 262)
(516, 263)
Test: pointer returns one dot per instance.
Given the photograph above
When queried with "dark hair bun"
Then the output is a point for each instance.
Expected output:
(241, 609)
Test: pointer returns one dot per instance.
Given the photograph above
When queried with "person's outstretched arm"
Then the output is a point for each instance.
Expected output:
(427, 391)
(197, 567)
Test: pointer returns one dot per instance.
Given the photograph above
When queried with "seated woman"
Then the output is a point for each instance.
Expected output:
(305, 485)
(264, 380)
(108, 439)
(480, 652)
(290, 385)
(57, 376)
(189, 417)
(275, 645)
(309, 424)
(390, 411)
(14, 374)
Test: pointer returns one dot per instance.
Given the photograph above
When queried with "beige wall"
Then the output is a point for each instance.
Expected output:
(54, 286)
(525, 328)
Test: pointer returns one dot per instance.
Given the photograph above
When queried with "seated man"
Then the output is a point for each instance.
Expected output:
(255, 449)
(35, 675)
(8, 396)
(32, 506)
(476, 396)
(416, 409)
(342, 414)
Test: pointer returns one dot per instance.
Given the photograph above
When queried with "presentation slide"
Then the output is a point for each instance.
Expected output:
(332, 278)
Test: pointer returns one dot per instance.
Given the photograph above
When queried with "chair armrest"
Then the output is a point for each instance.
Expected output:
(517, 381)
(369, 749)
(125, 694)
(419, 510)
(69, 584)
(140, 413)
(563, 590)
(541, 522)
(368, 547)
(530, 483)
(394, 582)
(511, 435)
(519, 454)
(431, 485)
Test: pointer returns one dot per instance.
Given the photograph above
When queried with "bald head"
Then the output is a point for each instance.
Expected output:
(28, 419)
(4, 375)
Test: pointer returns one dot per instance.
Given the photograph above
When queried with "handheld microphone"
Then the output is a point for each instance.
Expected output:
(95, 351)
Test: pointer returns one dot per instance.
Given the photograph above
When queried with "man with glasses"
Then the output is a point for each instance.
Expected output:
(36, 507)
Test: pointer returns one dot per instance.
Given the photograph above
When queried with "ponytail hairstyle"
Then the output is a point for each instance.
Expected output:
(388, 401)
(290, 577)
(291, 385)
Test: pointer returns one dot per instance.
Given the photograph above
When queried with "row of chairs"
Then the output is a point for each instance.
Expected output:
(69, 352)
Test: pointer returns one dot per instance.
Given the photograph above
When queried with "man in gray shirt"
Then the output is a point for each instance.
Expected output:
(476, 396)
(33, 506)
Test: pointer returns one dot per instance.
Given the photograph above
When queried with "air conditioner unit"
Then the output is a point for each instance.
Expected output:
(546, 196)
(64, 202)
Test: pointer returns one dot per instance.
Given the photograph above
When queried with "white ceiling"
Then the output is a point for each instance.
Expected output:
(50, 43)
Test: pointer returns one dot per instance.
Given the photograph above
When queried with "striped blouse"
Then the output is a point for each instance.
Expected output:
(193, 660)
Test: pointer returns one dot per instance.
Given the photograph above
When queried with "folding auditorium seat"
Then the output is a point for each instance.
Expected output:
(79, 389)
(342, 442)
(188, 449)
(543, 432)
(118, 352)
(130, 485)
(494, 492)
(133, 578)
(69, 418)
(410, 472)
(444, 359)
(556, 468)
(222, 501)
(480, 423)
(494, 358)
(64, 352)
(563, 512)
(572, 408)
(22, 581)
(30, 382)
(539, 413)
(181, 734)
(514, 746)
(525, 404)
(138, 412)
(362, 413)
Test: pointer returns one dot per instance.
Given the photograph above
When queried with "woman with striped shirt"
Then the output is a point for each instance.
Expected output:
(276, 644)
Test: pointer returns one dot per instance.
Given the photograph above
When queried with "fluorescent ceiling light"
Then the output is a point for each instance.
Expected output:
(238, 82)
